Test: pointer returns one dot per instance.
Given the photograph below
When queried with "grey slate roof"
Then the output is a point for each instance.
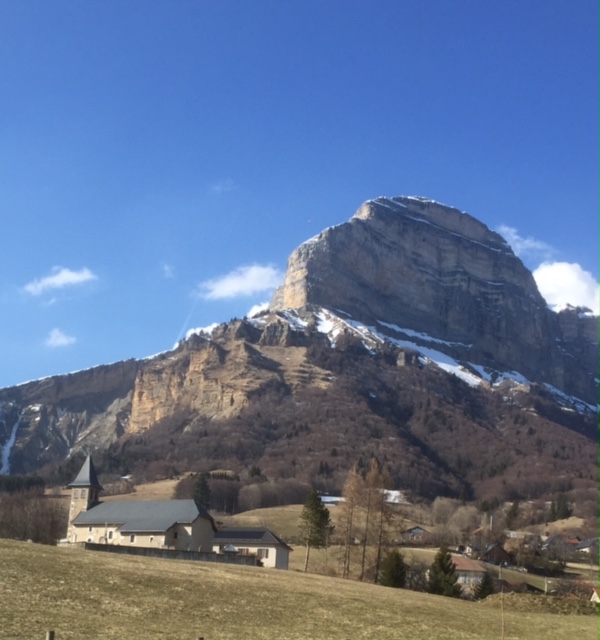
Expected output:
(248, 535)
(143, 516)
(87, 476)
(585, 544)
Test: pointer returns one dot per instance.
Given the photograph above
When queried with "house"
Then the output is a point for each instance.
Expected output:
(469, 572)
(595, 597)
(165, 524)
(587, 546)
(180, 525)
(269, 549)
(496, 554)
(414, 534)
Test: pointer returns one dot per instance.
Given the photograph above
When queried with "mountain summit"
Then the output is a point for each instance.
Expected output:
(365, 351)
(408, 265)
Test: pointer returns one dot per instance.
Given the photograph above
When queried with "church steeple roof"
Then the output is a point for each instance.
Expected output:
(87, 476)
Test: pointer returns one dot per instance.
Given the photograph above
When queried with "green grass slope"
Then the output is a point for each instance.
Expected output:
(85, 595)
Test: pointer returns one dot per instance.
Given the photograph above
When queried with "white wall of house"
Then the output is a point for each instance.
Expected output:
(191, 537)
(273, 557)
(469, 580)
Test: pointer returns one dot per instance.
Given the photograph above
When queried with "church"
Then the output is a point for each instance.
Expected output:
(180, 525)
(173, 524)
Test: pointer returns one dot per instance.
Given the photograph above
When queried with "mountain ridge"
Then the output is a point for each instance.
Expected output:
(305, 389)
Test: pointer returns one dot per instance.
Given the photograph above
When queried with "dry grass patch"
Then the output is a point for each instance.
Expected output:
(281, 520)
(83, 595)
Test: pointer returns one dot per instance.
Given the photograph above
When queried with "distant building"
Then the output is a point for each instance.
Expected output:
(271, 550)
(470, 573)
(166, 524)
(181, 525)
(414, 534)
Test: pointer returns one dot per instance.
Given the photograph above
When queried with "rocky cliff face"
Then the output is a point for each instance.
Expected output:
(350, 358)
(45, 420)
(425, 267)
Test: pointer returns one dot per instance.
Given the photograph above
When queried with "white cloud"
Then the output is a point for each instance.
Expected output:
(56, 338)
(243, 281)
(257, 308)
(526, 247)
(564, 283)
(59, 278)
(168, 270)
(224, 186)
(560, 283)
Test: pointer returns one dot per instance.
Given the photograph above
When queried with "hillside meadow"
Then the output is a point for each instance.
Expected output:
(83, 595)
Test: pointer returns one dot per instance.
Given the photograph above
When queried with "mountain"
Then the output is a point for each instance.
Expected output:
(408, 333)
(406, 265)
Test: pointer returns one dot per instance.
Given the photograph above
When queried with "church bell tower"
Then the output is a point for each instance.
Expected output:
(84, 493)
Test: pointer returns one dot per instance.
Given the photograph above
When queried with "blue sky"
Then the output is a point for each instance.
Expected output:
(161, 159)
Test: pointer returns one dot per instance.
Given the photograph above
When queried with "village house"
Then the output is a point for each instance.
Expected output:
(264, 544)
(414, 534)
(165, 524)
(496, 554)
(469, 572)
(180, 525)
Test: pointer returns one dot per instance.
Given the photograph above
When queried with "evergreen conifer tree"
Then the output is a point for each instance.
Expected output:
(443, 579)
(393, 572)
(315, 524)
(485, 587)
(201, 493)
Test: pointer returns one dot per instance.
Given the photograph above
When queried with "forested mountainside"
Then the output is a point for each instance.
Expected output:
(411, 333)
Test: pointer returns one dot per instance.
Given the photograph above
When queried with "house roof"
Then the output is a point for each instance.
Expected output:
(87, 476)
(466, 565)
(143, 516)
(248, 535)
(585, 544)
(414, 530)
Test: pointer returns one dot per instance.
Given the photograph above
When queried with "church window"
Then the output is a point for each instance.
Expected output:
(175, 535)
(76, 493)
(132, 538)
(110, 535)
(83, 493)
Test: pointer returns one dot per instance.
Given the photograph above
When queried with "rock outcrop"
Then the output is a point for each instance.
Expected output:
(51, 417)
(425, 267)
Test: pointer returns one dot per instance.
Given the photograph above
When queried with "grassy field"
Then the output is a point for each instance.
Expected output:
(85, 595)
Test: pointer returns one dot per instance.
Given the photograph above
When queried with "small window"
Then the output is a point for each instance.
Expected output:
(110, 535)
(76, 493)
(132, 538)
(263, 554)
(83, 493)
(90, 529)
(175, 535)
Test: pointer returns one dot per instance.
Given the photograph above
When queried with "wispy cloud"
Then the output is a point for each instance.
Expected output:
(563, 283)
(57, 338)
(243, 281)
(223, 186)
(168, 270)
(59, 278)
(526, 247)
